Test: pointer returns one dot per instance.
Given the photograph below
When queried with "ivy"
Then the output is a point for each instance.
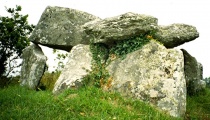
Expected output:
(101, 55)
(99, 75)
(99, 52)
(122, 48)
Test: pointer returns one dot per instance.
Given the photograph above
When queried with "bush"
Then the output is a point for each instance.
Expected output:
(207, 80)
(5, 81)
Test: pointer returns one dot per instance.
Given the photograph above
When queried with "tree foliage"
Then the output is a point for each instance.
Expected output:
(14, 33)
(207, 80)
(61, 57)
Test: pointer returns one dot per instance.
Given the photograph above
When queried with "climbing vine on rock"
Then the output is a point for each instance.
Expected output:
(102, 54)
(122, 48)
(99, 74)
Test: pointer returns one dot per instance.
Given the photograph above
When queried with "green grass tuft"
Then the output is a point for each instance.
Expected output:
(198, 107)
(18, 102)
(87, 103)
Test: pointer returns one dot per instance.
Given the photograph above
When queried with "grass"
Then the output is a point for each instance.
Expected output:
(92, 103)
(198, 107)
(89, 103)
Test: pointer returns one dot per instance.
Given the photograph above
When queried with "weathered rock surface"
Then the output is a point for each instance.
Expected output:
(200, 70)
(75, 69)
(34, 63)
(59, 28)
(193, 73)
(176, 34)
(120, 27)
(201, 83)
(153, 74)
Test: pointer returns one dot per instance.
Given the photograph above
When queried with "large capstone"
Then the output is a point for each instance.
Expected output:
(59, 28)
(176, 34)
(33, 67)
(120, 27)
(76, 68)
(153, 74)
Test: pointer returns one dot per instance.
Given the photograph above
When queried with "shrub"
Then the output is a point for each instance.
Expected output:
(6, 81)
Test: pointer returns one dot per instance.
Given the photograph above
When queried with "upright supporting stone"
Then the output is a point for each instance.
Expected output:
(75, 69)
(34, 63)
(193, 74)
(153, 74)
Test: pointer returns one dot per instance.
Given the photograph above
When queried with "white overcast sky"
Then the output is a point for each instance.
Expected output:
(192, 12)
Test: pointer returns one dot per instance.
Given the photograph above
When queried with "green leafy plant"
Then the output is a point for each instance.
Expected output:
(60, 58)
(121, 48)
(102, 54)
(14, 33)
(207, 80)
(9, 81)
(99, 75)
